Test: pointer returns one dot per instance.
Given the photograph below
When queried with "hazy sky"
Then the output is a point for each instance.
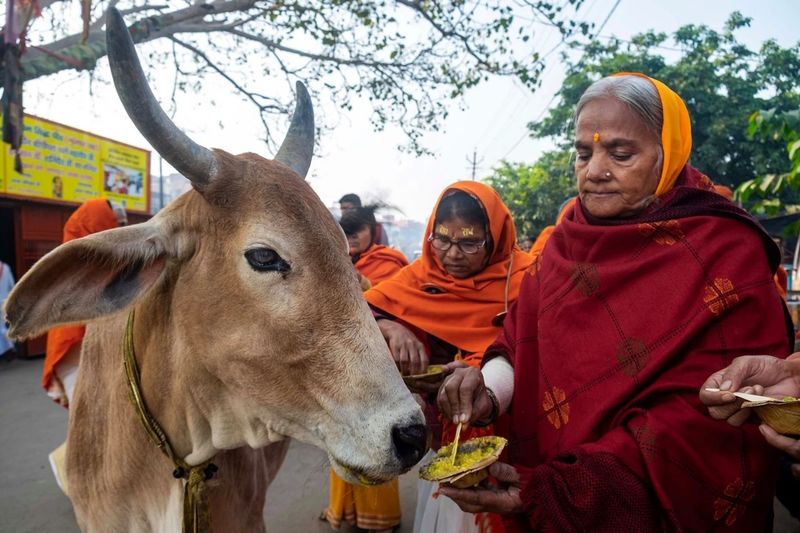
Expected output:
(354, 158)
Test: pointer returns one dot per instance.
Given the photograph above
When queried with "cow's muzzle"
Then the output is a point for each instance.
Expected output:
(410, 443)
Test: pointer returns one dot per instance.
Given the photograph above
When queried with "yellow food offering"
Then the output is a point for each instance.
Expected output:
(473, 455)
(432, 375)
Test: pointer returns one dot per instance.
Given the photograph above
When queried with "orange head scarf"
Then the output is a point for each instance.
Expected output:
(676, 133)
(458, 311)
(93, 216)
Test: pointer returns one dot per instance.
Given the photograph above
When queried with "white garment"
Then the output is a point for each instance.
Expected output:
(6, 284)
(440, 515)
(498, 375)
(67, 372)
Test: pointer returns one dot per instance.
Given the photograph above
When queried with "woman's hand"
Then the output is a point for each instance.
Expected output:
(759, 374)
(408, 352)
(788, 445)
(463, 397)
(502, 499)
(57, 393)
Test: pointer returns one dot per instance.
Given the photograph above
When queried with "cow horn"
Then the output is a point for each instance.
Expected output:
(189, 158)
(297, 148)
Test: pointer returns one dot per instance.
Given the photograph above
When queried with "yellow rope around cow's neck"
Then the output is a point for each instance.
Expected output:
(196, 517)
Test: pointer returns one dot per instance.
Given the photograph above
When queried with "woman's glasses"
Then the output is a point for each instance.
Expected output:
(442, 243)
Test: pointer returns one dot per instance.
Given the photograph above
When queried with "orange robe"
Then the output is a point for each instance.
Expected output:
(380, 262)
(460, 312)
(93, 216)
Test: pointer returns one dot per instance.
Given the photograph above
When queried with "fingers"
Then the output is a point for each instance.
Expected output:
(796, 471)
(721, 397)
(739, 417)
(447, 399)
(786, 444)
(418, 357)
(471, 387)
(408, 352)
(479, 500)
(505, 473)
(459, 394)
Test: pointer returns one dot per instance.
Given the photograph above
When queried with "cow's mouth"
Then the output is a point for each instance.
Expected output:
(360, 474)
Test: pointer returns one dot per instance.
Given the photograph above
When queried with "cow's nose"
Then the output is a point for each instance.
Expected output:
(410, 443)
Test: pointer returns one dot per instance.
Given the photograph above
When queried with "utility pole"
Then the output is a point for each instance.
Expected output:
(474, 162)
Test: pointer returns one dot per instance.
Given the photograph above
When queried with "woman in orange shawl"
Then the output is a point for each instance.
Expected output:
(650, 282)
(64, 343)
(373, 261)
(448, 305)
(374, 508)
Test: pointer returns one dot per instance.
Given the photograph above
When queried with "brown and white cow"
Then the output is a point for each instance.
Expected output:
(250, 327)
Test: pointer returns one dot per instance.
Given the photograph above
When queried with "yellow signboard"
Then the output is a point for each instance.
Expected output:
(64, 164)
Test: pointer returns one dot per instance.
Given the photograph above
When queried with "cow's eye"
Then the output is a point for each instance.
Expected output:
(266, 260)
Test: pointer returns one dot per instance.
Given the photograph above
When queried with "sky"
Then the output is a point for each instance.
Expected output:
(491, 120)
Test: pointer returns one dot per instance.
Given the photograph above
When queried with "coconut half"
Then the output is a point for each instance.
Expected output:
(472, 459)
(432, 375)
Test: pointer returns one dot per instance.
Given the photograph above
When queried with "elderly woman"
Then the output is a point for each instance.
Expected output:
(647, 285)
(448, 305)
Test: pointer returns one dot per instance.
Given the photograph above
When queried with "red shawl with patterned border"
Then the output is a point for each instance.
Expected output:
(610, 340)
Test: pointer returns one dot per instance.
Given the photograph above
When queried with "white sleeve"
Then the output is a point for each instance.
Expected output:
(498, 375)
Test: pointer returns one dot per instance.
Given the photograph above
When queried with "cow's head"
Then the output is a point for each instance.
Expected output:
(248, 280)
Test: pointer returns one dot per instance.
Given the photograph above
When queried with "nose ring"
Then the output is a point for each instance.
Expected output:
(608, 174)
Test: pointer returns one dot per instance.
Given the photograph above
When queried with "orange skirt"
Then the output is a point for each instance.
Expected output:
(375, 507)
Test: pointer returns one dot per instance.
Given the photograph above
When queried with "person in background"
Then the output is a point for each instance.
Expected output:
(350, 202)
(374, 508)
(62, 355)
(448, 306)
(526, 244)
(6, 284)
(647, 283)
(373, 261)
(64, 343)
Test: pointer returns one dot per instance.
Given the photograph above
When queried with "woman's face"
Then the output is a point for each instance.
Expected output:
(618, 161)
(360, 241)
(457, 263)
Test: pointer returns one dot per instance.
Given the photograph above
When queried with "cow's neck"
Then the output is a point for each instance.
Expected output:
(170, 386)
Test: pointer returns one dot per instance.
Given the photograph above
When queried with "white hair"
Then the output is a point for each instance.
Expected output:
(639, 94)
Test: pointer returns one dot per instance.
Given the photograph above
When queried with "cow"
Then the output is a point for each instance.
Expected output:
(249, 328)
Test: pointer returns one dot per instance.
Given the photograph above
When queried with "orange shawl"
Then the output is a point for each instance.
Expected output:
(380, 262)
(93, 216)
(461, 314)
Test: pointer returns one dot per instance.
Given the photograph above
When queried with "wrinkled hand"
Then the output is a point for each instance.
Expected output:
(57, 393)
(757, 374)
(502, 499)
(787, 445)
(463, 397)
(408, 352)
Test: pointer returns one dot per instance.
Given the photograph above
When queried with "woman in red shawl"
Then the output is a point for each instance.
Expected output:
(651, 282)
(449, 305)
(64, 343)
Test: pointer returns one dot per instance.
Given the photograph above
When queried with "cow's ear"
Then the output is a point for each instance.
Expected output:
(87, 278)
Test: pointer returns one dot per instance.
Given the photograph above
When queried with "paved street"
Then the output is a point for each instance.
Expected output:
(32, 426)
(31, 502)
